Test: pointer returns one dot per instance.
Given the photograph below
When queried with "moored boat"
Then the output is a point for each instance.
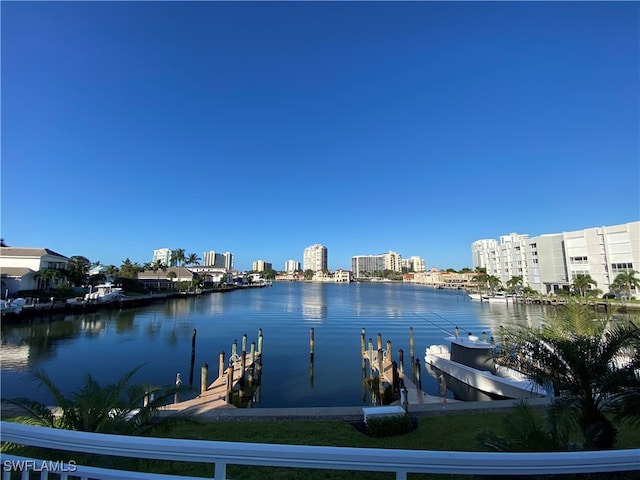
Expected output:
(12, 306)
(471, 361)
(105, 292)
(498, 297)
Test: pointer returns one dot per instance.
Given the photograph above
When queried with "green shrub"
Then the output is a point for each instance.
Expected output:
(388, 426)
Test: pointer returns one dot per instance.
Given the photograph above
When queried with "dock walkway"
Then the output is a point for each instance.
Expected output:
(415, 395)
(216, 395)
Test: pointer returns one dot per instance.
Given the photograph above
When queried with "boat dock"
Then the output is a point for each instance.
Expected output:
(237, 383)
(385, 374)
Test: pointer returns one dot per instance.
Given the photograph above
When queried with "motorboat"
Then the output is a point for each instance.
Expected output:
(12, 306)
(498, 297)
(471, 361)
(475, 296)
(104, 293)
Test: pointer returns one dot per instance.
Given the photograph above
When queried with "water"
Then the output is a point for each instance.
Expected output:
(108, 344)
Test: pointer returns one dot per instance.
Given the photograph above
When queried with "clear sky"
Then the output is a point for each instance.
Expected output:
(263, 128)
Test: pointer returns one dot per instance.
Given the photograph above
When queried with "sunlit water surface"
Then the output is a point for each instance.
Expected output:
(110, 343)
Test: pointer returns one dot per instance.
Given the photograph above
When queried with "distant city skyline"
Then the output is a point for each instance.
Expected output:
(261, 128)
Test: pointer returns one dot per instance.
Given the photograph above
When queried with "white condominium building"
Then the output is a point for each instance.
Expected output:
(315, 258)
(392, 261)
(361, 264)
(551, 262)
(366, 264)
(291, 266)
(413, 264)
(418, 264)
(162, 254)
(480, 252)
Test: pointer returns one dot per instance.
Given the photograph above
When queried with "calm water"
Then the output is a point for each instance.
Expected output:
(110, 343)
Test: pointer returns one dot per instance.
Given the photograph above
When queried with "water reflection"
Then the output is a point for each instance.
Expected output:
(314, 305)
(110, 343)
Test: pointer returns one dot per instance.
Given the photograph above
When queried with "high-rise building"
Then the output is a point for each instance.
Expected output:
(392, 261)
(213, 259)
(418, 263)
(413, 264)
(291, 266)
(480, 252)
(366, 264)
(551, 262)
(315, 258)
(261, 266)
(228, 260)
(163, 255)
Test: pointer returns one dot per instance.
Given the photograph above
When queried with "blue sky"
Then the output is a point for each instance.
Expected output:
(262, 128)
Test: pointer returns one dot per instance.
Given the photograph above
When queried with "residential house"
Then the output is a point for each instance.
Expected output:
(22, 269)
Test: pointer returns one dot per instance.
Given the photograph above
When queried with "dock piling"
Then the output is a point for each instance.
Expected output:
(204, 373)
(221, 364)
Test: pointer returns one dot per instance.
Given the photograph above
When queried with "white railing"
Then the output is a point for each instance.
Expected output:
(221, 454)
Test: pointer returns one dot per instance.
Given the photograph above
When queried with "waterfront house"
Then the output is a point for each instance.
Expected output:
(162, 278)
(22, 269)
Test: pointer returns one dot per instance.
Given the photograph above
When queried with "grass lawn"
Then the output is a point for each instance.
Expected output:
(441, 432)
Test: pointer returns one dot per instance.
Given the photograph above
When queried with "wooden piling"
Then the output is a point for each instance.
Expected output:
(230, 384)
(411, 343)
(243, 365)
(221, 364)
(379, 341)
(401, 360)
(234, 348)
(260, 341)
(244, 342)
(204, 373)
(380, 364)
(395, 378)
(389, 351)
(193, 355)
(362, 341)
(311, 342)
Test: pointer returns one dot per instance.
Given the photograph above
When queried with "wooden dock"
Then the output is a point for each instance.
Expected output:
(237, 378)
(392, 373)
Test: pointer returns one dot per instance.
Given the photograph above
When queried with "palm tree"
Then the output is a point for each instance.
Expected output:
(192, 259)
(582, 282)
(494, 282)
(580, 354)
(514, 283)
(47, 278)
(625, 281)
(526, 431)
(155, 266)
(481, 279)
(117, 408)
(178, 256)
(171, 275)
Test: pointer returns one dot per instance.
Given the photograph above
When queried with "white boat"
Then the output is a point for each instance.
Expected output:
(475, 296)
(12, 306)
(471, 362)
(105, 292)
(499, 297)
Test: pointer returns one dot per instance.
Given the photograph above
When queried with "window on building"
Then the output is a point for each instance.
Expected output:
(617, 268)
(578, 260)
